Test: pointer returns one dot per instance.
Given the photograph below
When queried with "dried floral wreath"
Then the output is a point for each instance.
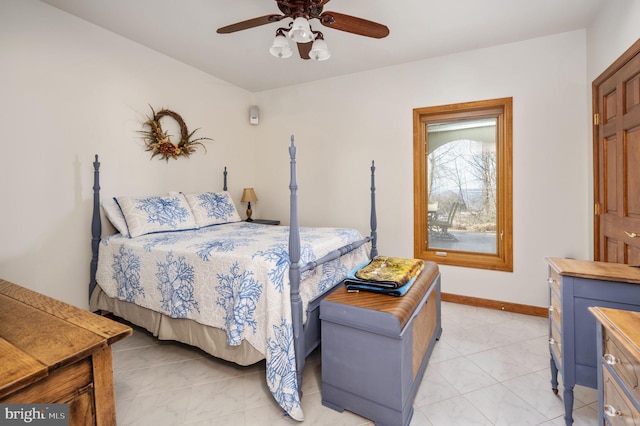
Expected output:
(158, 142)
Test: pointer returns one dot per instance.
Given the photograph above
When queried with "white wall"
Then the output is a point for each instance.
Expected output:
(610, 35)
(70, 90)
(343, 123)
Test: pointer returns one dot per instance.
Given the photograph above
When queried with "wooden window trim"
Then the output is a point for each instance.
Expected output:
(503, 259)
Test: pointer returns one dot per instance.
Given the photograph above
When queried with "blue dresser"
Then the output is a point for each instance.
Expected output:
(574, 287)
(618, 336)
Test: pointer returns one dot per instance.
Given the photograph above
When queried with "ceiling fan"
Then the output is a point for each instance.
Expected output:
(311, 44)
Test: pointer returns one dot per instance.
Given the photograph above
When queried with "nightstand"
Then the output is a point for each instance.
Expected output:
(266, 222)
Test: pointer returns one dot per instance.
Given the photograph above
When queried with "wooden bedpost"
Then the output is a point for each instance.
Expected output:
(294, 270)
(96, 225)
(224, 187)
(374, 219)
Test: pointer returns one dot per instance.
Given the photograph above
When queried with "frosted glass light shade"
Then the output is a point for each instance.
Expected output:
(280, 47)
(319, 50)
(301, 31)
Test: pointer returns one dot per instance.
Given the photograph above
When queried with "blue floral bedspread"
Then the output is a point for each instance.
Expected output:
(234, 277)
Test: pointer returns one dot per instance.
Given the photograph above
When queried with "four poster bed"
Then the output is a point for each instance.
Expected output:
(239, 291)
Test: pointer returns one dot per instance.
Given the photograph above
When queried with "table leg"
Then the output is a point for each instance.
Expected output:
(568, 405)
(554, 376)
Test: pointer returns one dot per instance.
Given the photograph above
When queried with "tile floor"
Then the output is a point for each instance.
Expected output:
(489, 368)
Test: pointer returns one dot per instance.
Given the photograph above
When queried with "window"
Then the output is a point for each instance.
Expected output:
(463, 184)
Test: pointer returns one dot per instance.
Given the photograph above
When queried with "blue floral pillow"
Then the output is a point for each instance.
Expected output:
(156, 214)
(212, 208)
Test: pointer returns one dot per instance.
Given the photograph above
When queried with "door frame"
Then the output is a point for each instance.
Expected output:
(630, 53)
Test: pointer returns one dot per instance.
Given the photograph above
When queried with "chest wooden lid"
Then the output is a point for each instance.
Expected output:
(39, 334)
(400, 308)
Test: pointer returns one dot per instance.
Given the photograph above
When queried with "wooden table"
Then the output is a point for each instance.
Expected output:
(52, 352)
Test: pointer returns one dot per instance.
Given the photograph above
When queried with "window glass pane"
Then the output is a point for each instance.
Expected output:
(461, 185)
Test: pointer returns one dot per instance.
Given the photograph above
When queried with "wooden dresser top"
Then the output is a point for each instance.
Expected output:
(400, 307)
(39, 334)
(625, 324)
(595, 270)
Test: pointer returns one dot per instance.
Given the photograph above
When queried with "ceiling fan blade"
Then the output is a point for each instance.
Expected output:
(304, 49)
(351, 24)
(249, 23)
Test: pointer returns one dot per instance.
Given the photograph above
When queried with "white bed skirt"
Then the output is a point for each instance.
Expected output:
(210, 339)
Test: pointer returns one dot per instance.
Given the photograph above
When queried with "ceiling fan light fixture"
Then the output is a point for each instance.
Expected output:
(280, 47)
(301, 30)
(319, 50)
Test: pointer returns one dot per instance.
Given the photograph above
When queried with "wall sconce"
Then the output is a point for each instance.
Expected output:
(249, 195)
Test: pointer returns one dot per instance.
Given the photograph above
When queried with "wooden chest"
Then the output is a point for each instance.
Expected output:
(52, 352)
(375, 348)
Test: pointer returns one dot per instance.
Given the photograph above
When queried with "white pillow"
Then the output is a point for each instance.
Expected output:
(114, 214)
(156, 214)
(212, 208)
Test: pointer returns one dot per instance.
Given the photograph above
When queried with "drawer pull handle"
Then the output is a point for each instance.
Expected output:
(632, 234)
(610, 359)
(552, 341)
(611, 411)
(550, 280)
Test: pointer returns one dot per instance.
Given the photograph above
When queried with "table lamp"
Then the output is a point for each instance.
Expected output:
(249, 195)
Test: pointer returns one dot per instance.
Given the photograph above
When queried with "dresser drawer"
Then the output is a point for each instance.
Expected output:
(555, 342)
(555, 316)
(555, 308)
(618, 410)
(624, 363)
(554, 281)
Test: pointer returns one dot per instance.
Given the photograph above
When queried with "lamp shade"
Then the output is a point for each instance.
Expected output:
(249, 196)
(301, 31)
(319, 51)
(280, 47)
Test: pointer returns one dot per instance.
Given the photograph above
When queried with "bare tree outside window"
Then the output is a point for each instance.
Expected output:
(462, 168)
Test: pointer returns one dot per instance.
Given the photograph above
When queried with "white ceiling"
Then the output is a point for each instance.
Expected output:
(419, 29)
